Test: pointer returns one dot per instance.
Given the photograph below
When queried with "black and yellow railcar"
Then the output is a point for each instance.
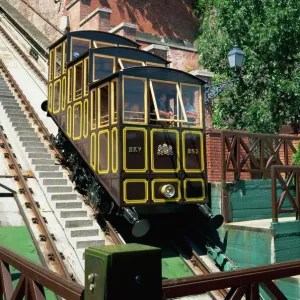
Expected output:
(138, 124)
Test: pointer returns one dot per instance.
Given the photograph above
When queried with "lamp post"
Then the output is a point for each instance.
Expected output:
(236, 59)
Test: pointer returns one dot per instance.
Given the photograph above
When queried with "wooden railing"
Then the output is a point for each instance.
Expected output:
(244, 152)
(241, 282)
(288, 178)
(33, 280)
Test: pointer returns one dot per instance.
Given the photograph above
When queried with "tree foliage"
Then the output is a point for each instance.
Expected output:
(268, 31)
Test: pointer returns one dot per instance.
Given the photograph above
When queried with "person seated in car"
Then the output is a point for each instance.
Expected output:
(189, 109)
(163, 108)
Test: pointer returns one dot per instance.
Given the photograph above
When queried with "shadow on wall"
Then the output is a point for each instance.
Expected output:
(164, 17)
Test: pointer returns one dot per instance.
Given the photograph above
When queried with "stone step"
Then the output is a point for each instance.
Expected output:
(12, 104)
(21, 129)
(63, 197)
(18, 114)
(24, 124)
(6, 94)
(43, 162)
(36, 150)
(84, 232)
(73, 213)
(12, 110)
(49, 168)
(59, 189)
(8, 100)
(68, 205)
(32, 138)
(75, 223)
(85, 242)
(58, 181)
(39, 155)
(51, 174)
(17, 118)
(33, 144)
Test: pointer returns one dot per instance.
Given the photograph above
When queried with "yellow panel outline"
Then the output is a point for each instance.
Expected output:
(113, 109)
(93, 144)
(59, 99)
(75, 138)
(185, 154)
(199, 102)
(106, 171)
(92, 102)
(139, 201)
(104, 43)
(145, 101)
(125, 150)
(194, 180)
(69, 120)
(154, 150)
(167, 181)
(63, 93)
(64, 57)
(50, 97)
(99, 105)
(148, 63)
(121, 59)
(115, 150)
(103, 56)
(51, 60)
(85, 118)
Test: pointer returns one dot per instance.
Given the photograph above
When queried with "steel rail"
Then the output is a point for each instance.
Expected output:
(53, 253)
(24, 56)
(113, 234)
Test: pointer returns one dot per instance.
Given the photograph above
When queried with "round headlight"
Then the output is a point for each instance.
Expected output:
(168, 190)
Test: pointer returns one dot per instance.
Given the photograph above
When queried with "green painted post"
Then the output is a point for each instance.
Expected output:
(130, 271)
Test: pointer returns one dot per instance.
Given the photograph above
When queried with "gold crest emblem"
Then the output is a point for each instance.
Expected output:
(164, 150)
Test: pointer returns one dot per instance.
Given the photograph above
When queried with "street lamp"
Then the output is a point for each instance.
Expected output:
(236, 59)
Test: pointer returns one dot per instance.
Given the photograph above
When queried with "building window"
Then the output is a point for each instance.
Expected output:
(134, 100)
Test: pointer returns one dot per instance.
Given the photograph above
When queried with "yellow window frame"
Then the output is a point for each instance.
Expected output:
(99, 105)
(61, 67)
(121, 59)
(151, 64)
(145, 101)
(69, 120)
(104, 43)
(200, 104)
(85, 76)
(93, 156)
(75, 138)
(70, 86)
(158, 118)
(51, 65)
(50, 97)
(64, 60)
(114, 110)
(74, 81)
(137, 201)
(115, 150)
(63, 93)
(81, 39)
(103, 56)
(93, 113)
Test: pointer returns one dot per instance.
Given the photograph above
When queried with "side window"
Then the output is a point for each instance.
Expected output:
(79, 46)
(63, 93)
(78, 80)
(57, 93)
(86, 76)
(58, 61)
(191, 97)
(103, 119)
(93, 109)
(127, 63)
(51, 64)
(167, 103)
(70, 85)
(114, 102)
(103, 67)
(134, 100)
(154, 64)
(101, 44)
(64, 63)
(50, 97)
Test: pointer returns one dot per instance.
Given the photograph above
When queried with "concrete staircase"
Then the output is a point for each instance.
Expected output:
(75, 217)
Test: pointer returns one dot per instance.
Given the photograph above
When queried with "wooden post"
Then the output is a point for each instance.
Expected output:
(130, 271)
